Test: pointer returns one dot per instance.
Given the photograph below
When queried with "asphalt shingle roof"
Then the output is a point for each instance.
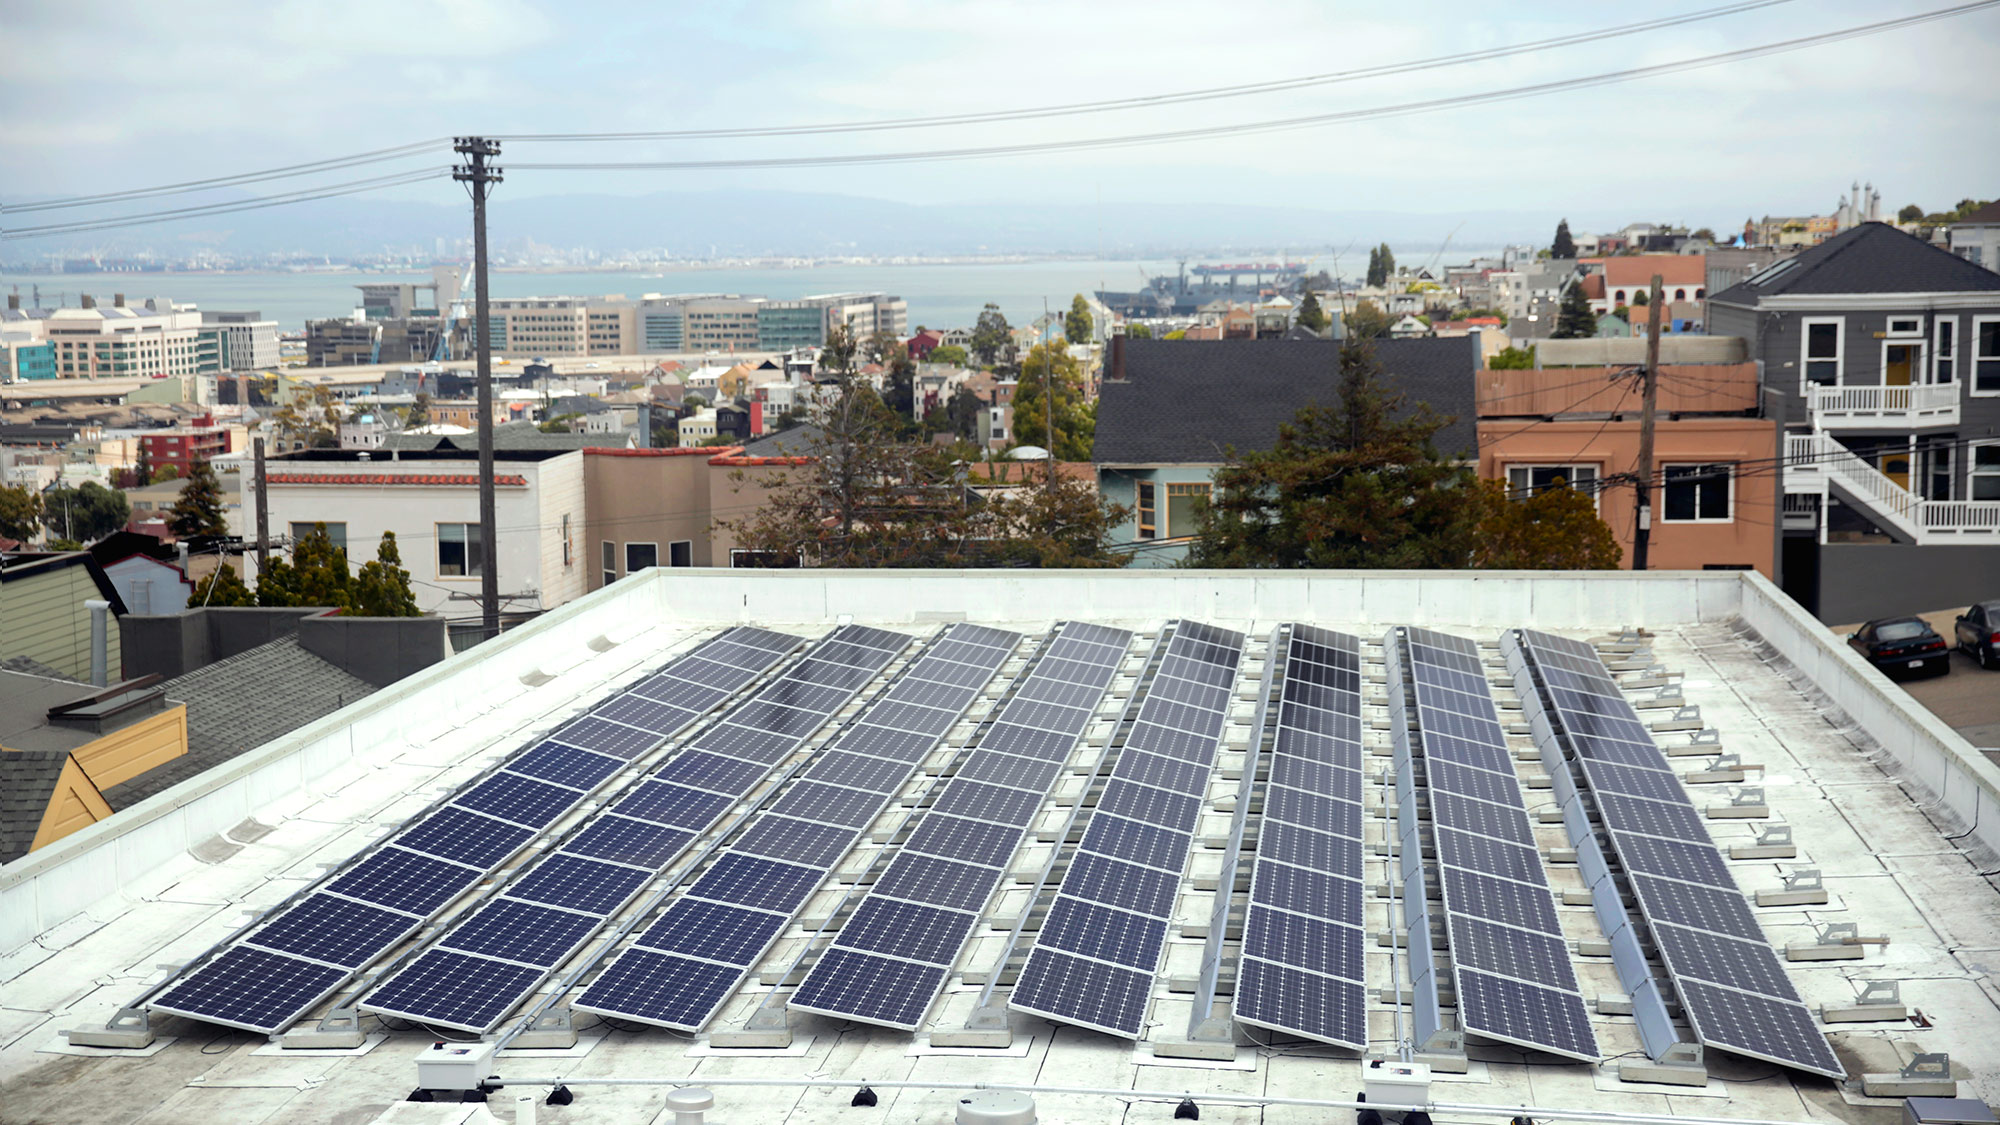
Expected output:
(1870, 258)
(239, 704)
(27, 780)
(1186, 401)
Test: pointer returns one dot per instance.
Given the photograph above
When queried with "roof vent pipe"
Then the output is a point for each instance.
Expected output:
(690, 1105)
(100, 640)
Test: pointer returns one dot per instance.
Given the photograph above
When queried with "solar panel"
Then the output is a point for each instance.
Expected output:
(1510, 959)
(740, 906)
(1732, 984)
(1101, 935)
(875, 973)
(329, 928)
(602, 867)
(1301, 967)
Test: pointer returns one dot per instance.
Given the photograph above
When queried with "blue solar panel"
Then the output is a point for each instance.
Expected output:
(673, 804)
(716, 773)
(941, 882)
(660, 988)
(252, 989)
(467, 837)
(716, 931)
(852, 984)
(801, 841)
(452, 989)
(589, 885)
(974, 841)
(662, 717)
(606, 737)
(910, 930)
(519, 800)
(522, 931)
(1090, 994)
(622, 839)
(1283, 998)
(753, 881)
(327, 928)
(565, 765)
(404, 881)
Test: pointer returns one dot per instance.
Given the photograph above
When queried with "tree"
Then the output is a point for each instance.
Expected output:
(1079, 327)
(899, 384)
(1376, 274)
(312, 418)
(163, 474)
(419, 413)
(1552, 529)
(382, 589)
(1061, 524)
(317, 575)
(1354, 484)
(1312, 317)
(1368, 321)
(1564, 246)
(1641, 299)
(947, 353)
(1387, 263)
(991, 335)
(1049, 366)
(85, 513)
(880, 346)
(1512, 359)
(198, 511)
(1136, 331)
(1705, 234)
(221, 588)
(20, 512)
(1622, 312)
(1575, 320)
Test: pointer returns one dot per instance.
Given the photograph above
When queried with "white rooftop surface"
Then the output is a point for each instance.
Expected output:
(1899, 814)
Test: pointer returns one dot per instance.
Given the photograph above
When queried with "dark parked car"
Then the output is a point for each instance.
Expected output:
(1901, 644)
(1978, 631)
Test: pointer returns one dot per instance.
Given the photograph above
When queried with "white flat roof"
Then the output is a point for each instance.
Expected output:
(1879, 796)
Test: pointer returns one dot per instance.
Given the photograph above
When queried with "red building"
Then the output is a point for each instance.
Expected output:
(923, 343)
(184, 445)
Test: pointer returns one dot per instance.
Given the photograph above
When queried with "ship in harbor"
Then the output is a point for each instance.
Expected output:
(1183, 293)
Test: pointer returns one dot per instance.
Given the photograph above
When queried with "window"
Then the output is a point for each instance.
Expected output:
(1986, 355)
(459, 551)
(1983, 482)
(1524, 481)
(1822, 351)
(639, 556)
(1906, 326)
(1944, 363)
(336, 532)
(1181, 502)
(1147, 527)
(569, 558)
(1697, 493)
(681, 553)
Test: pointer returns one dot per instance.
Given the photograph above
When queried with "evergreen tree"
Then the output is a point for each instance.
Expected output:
(1051, 365)
(221, 588)
(1357, 484)
(1312, 316)
(1388, 263)
(20, 512)
(1565, 246)
(383, 587)
(1553, 529)
(991, 335)
(1375, 273)
(1079, 327)
(419, 413)
(316, 576)
(1368, 321)
(198, 511)
(1575, 320)
(1138, 331)
(85, 513)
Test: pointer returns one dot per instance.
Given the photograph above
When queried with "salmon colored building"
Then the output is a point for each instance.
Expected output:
(1715, 501)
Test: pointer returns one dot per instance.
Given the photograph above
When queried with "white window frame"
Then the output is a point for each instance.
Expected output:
(471, 573)
(1917, 367)
(1805, 351)
(1944, 349)
(629, 568)
(607, 560)
(1666, 471)
(1914, 326)
(1972, 473)
(1568, 469)
(1973, 358)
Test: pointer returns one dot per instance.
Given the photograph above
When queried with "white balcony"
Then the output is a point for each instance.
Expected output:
(1878, 407)
(1816, 463)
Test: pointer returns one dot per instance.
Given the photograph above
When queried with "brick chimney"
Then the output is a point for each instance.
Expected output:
(89, 302)
(1118, 358)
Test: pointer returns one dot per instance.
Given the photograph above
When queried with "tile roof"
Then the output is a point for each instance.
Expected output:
(1186, 401)
(468, 480)
(239, 704)
(1870, 258)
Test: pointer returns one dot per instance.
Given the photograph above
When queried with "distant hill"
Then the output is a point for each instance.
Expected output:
(738, 223)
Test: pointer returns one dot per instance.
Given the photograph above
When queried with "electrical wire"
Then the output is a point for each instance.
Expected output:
(351, 187)
(1278, 85)
(376, 156)
(1276, 125)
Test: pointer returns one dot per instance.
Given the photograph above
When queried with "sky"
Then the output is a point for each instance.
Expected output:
(103, 97)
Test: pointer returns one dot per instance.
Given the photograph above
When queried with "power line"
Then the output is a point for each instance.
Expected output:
(1281, 124)
(1152, 100)
(148, 218)
(311, 168)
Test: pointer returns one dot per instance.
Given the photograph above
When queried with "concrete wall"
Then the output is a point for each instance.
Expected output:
(380, 650)
(1862, 581)
(176, 643)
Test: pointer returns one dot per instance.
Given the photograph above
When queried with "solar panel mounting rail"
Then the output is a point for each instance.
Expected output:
(1095, 958)
(1510, 960)
(507, 947)
(686, 965)
(888, 965)
(1301, 970)
(1733, 987)
(281, 966)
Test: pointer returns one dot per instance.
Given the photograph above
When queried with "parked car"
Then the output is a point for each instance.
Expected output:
(1902, 644)
(1978, 633)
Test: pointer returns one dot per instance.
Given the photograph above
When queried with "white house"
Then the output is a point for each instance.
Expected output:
(430, 499)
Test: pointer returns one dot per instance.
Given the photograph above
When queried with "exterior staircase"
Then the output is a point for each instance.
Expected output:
(1816, 463)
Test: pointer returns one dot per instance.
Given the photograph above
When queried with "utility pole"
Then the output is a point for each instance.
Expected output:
(1641, 538)
(1049, 395)
(263, 516)
(479, 178)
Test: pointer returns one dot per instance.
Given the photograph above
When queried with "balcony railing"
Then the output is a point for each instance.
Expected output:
(1812, 461)
(1924, 404)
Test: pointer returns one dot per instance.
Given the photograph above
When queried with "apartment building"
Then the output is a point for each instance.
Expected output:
(1885, 351)
(182, 446)
(244, 341)
(157, 339)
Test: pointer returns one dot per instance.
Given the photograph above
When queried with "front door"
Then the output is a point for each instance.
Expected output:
(1895, 466)
(1899, 365)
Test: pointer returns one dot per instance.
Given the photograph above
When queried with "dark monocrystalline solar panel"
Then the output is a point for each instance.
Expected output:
(995, 803)
(1509, 952)
(1085, 928)
(973, 841)
(621, 839)
(520, 800)
(1529, 1014)
(760, 746)
(1305, 847)
(1168, 773)
(788, 692)
(607, 737)
(660, 988)
(1503, 900)
(1718, 909)
(1675, 820)
(1148, 805)
(1482, 818)
(713, 772)
(522, 931)
(939, 881)
(1147, 844)
(1323, 778)
(1490, 857)
(453, 990)
(582, 884)
(859, 771)
(566, 765)
(1309, 810)
(1752, 966)
(1287, 999)
(1049, 746)
(1758, 1026)
(906, 747)
(673, 804)
(1450, 777)
(1305, 892)
(252, 989)
(826, 673)
(1303, 942)
(881, 990)
(1686, 860)
(326, 928)
(801, 841)
(793, 722)
(715, 931)
(1128, 886)
(404, 881)
(1073, 990)
(910, 930)
(752, 881)
(455, 834)
(1032, 774)
(1081, 695)
(830, 804)
(661, 718)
